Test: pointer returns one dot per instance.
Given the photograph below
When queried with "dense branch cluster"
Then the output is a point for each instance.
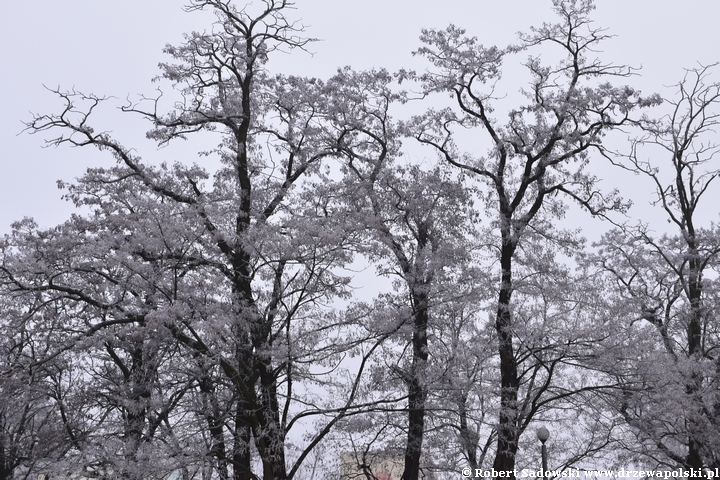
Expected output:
(211, 323)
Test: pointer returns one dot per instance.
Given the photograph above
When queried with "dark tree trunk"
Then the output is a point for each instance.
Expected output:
(417, 391)
(215, 426)
(468, 437)
(242, 459)
(241, 448)
(272, 436)
(507, 444)
(694, 333)
(6, 468)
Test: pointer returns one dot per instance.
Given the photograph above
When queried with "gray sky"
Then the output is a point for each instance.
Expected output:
(112, 48)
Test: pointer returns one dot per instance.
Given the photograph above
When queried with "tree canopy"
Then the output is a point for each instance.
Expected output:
(338, 288)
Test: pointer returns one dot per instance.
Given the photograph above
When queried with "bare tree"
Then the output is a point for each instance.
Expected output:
(238, 271)
(535, 158)
(666, 278)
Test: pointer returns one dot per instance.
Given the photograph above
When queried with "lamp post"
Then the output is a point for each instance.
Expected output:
(543, 434)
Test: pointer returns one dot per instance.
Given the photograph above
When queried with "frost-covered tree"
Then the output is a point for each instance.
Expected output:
(31, 429)
(232, 270)
(198, 319)
(415, 221)
(533, 160)
(668, 279)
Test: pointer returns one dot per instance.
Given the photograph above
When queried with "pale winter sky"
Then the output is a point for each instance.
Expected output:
(113, 48)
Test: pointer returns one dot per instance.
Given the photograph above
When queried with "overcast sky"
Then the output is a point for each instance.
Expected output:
(113, 48)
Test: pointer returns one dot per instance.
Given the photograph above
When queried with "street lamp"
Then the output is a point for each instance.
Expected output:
(543, 434)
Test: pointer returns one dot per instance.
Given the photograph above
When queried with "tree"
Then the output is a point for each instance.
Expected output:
(539, 156)
(671, 401)
(30, 427)
(415, 222)
(234, 273)
(105, 358)
(200, 316)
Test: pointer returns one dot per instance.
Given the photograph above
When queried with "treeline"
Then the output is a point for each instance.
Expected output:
(207, 323)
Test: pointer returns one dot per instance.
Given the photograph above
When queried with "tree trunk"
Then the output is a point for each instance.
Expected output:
(507, 444)
(215, 426)
(417, 393)
(468, 437)
(694, 332)
(6, 468)
(242, 459)
(272, 436)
